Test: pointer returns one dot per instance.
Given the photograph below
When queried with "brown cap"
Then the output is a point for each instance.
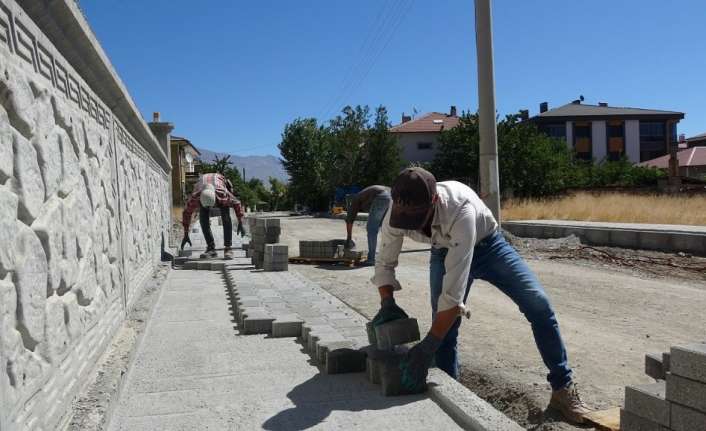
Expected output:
(412, 193)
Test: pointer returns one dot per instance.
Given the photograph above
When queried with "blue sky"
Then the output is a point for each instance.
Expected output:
(230, 74)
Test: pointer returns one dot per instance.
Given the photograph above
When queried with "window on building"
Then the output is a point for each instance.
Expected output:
(582, 140)
(556, 130)
(615, 131)
(424, 145)
(653, 140)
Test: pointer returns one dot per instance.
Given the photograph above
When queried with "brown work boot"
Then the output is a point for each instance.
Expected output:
(228, 253)
(568, 402)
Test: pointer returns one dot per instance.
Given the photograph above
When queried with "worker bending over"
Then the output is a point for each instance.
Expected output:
(213, 190)
(375, 200)
(466, 245)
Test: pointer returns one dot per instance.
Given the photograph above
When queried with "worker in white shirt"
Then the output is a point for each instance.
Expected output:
(466, 245)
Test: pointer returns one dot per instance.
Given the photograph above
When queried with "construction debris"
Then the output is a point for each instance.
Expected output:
(650, 264)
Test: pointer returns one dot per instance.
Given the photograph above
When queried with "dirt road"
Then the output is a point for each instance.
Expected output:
(609, 320)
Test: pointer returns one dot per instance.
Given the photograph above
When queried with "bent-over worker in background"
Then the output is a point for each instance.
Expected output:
(213, 190)
(466, 245)
(375, 200)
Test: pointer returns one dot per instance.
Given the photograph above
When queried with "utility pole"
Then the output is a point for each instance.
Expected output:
(489, 180)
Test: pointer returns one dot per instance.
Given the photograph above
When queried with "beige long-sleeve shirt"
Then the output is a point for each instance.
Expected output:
(461, 220)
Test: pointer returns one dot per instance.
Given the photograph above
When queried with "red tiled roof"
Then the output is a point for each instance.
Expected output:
(695, 156)
(431, 122)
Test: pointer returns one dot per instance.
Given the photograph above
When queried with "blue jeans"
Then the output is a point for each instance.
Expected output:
(376, 214)
(497, 262)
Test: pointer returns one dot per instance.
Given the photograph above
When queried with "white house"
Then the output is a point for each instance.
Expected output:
(419, 138)
(601, 132)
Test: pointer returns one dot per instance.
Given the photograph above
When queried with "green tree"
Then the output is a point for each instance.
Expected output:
(457, 158)
(304, 151)
(278, 194)
(346, 135)
(380, 160)
(530, 163)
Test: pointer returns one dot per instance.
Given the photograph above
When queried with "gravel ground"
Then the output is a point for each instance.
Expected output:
(93, 407)
(610, 316)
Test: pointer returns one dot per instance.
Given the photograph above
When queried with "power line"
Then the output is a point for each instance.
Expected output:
(373, 28)
(400, 18)
(375, 48)
(372, 47)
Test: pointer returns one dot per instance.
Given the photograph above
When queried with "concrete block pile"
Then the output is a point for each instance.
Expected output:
(332, 249)
(677, 401)
(263, 231)
(318, 249)
(276, 257)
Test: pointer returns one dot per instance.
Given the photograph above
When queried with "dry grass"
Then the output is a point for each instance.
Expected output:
(611, 207)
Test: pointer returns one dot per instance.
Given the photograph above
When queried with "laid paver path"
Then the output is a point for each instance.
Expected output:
(194, 371)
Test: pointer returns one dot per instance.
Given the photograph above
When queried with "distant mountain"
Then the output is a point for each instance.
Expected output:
(262, 167)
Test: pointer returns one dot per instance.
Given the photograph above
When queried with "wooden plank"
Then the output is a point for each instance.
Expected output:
(315, 260)
(605, 420)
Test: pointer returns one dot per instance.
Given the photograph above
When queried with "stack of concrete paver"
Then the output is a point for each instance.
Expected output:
(276, 257)
(332, 249)
(677, 401)
(318, 249)
(263, 231)
(388, 345)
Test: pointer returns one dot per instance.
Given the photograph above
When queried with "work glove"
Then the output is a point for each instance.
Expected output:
(240, 230)
(185, 241)
(388, 312)
(415, 366)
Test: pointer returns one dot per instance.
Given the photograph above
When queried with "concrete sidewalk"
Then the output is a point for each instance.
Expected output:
(194, 371)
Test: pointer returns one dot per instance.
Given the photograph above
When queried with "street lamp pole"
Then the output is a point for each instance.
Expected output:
(489, 180)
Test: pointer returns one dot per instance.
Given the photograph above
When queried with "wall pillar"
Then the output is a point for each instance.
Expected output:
(599, 142)
(162, 131)
(632, 140)
(570, 134)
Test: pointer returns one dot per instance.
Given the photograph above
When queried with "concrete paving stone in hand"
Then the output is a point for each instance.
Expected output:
(396, 332)
(391, 377)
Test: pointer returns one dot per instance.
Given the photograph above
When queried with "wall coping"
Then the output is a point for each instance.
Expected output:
(64, 24)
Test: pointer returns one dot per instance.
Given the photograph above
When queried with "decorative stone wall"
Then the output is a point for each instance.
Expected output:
(83, 210)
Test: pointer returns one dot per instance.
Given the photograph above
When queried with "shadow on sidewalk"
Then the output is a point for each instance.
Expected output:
(316, 398)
